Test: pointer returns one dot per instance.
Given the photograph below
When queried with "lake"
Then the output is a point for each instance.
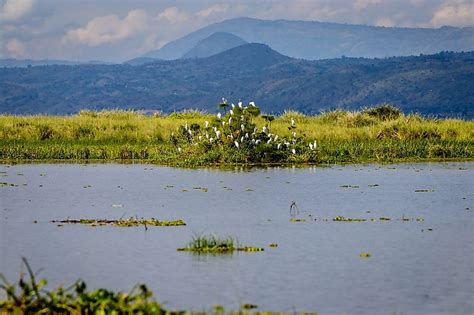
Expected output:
(423, 266)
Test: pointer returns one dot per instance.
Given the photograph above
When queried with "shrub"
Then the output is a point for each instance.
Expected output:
(383, 112)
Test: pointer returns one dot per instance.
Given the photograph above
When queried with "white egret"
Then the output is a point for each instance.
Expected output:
(230, 120)
(252, 104)
(264, 129)
(206, 123)
(314, 144)
(246, 135)
(292, 122)
(233, 106)
(242, 139)
(269, 140)
(242, 127)
(211, 139)
(218, 134)
(240, 104)
(219, 115)
(223, 123)
(231, 112)
(236, 144)
(179, 150)
(294, 134)
(278, 146)
(311, 146)
(293, 151)
(276, 137)
(257, 142)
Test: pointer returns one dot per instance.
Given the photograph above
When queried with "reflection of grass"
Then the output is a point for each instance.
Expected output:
(122, 222)
(366, 136)
(215, 244)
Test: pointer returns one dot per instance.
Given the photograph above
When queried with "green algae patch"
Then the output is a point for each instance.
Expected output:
(215, 244)
(365, 255)
(131, 222)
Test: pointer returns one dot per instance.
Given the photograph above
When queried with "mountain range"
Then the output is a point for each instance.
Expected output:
(317, 40)
(439, 84)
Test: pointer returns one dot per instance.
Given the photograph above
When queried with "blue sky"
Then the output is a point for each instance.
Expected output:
(117, 30)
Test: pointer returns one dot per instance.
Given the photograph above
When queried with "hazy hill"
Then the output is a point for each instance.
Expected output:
(317, 40)
(23, 63)
(438, 84)
(214, 44)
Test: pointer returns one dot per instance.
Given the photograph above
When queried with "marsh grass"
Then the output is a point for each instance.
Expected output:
(379, 134)
(216, 244)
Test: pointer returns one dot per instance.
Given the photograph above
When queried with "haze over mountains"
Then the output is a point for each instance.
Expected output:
(317, 40)
(438, 84)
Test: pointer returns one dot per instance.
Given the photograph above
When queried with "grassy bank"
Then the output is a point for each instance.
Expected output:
(242, 135)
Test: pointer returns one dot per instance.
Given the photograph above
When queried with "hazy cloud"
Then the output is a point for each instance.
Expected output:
(109, 29)
(13, 10)
(454, 13)
(15, 48)
(116, 30)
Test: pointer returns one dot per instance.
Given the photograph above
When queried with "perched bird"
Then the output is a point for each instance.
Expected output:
(219, 115)
(231, 112)
(252, 104)
(264, 129)
(293, 151)
(246, 135)
(276, 137)
(206, 123)
(279, 146)
(294, 134)
(218, 134)
(233, 106)
(211, 139)
(269, 140)
(236, 144)
(242, 127)
(311, 146)
(257, 142)
(292, 122)
(242, 139)
(179, 150)
(240, 104)
(230, 120)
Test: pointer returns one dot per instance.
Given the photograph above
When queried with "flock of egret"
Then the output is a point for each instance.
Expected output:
(237, 129)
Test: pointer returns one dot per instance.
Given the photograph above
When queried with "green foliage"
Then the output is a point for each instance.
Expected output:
(383, 112)
(33, 298)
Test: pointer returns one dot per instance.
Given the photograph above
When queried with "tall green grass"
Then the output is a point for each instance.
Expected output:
(370, 135)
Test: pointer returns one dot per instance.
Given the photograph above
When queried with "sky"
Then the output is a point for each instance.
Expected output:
(118, 30)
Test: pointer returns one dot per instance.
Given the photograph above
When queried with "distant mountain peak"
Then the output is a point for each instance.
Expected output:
(248, 56)
(213, 44)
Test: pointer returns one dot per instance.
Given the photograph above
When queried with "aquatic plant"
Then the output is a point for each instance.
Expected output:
(215, 244)
(33, 298)
(121, 222)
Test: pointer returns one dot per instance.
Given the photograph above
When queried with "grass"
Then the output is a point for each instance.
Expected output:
(179, 139)
(215, 244)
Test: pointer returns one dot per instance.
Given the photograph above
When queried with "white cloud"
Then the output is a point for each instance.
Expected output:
(109, 29)
(218, 8)
(454, 13)
(14, 10)
(15, 48)
(173, 15)
(363, 4)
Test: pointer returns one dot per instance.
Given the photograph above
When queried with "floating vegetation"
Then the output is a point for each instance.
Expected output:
(384, 219)
(365, 255)
(203, 189)
(344, 219)
(373, 185)
(349, 186)
(273, 245)
(248, 306)
(214, 244)
(121, 222)
(4, 184)
(424, 190)
(297, 220)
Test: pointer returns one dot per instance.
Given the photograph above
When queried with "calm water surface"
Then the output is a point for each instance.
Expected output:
(316, 267)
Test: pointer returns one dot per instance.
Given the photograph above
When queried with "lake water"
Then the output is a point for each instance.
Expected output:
(416, 267)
